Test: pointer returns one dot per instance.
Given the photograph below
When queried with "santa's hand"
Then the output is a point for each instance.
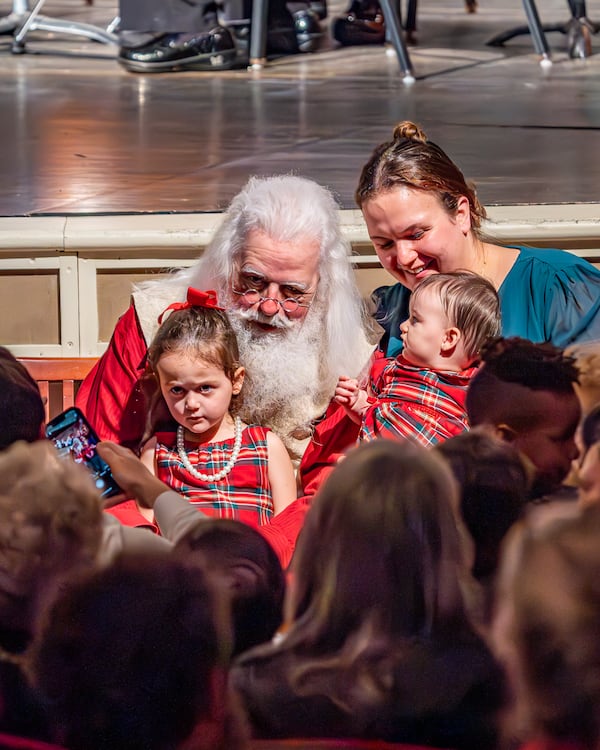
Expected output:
(131, 474)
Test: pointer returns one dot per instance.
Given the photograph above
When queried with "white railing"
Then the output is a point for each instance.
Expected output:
(78, 248)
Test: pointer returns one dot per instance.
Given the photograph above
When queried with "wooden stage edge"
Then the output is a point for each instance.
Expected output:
(574, 227)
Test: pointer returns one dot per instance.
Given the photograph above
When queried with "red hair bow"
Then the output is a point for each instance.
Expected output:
(195, 298)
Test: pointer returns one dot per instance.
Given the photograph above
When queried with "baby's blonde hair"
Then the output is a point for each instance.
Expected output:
(470, 302)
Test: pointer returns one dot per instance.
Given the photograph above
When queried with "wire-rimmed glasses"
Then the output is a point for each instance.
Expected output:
(253, 296)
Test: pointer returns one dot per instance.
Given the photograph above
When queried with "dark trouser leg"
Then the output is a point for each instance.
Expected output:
(167, 16)
(287, 33)
(158, 36)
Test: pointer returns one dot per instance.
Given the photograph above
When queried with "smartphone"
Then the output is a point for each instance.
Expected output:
(74, 438)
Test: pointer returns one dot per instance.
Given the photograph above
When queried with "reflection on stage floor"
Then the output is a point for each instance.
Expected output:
(80, 135)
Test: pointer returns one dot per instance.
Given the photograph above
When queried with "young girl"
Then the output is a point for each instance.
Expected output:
(221, 465)
(421, 393)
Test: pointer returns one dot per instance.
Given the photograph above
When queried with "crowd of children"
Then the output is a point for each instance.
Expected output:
(386, 628)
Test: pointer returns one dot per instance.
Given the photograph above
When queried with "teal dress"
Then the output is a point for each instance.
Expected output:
(548, 295)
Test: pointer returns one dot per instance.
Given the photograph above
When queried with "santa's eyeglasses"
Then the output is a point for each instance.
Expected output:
(252, 297)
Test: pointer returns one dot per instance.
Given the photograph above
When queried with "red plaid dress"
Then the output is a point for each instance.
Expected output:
(413, 402)
(243, 494)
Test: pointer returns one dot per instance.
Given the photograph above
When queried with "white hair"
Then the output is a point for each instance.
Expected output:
(291, 209)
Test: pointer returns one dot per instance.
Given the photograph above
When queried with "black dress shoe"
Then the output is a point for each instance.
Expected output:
(281, 40)
(212, 50)
(9, 23)
(362, 24)
(308, 30)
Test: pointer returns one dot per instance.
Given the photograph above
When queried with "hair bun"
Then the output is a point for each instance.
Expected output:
(407, 130)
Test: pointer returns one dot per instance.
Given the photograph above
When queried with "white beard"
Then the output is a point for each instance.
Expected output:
(286, 387)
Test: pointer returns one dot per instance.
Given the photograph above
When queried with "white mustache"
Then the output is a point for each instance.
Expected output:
(256, 316)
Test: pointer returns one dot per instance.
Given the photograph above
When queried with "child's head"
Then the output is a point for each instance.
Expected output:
(451, 316)
(194, 358)
(494, 485)
(525, 392)
(50, 527)
(588, 471)
(546, 625)
(21, 406)
(244, 563)
(587, 360)
(134, 656)
(388, 550)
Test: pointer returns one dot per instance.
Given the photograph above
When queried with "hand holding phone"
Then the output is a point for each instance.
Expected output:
(74, 438)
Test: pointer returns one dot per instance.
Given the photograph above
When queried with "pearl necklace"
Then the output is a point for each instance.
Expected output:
(185, 459)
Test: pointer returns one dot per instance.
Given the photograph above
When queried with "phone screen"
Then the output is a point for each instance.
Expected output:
(75, 439)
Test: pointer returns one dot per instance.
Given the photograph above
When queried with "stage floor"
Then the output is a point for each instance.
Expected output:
(80, 136)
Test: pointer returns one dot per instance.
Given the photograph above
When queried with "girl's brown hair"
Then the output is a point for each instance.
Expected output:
(204, 332)
(547, 624)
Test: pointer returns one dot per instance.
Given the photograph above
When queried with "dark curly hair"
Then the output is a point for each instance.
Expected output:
(542, 367)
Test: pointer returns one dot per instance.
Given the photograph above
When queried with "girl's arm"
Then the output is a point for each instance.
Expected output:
(282, 477)
(147, 458)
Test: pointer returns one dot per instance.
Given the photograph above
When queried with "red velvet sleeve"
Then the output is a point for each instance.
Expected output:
(333, 436)
(111, 396)
(283, 529)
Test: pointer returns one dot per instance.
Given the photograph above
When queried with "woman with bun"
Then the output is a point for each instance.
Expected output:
(424, 218)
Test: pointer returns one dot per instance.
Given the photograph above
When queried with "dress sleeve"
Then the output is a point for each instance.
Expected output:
(551, 295)
(175, 516)
(332, 437)
(573, 304)
(111, 396)
(391, 304)
(118, 538)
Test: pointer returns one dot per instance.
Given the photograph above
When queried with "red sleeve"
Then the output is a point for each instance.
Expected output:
(284, 528)
(129, 514)
(111, 396)
(333, 436)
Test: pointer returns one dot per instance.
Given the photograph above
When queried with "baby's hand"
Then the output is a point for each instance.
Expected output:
(346, 391)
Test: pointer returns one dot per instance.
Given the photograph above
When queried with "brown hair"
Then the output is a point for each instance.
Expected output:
(547, 624)
(223, 546)
(202, 331)
(470, 302)
(21, 406)
(411, 160)
(50, 521)
(127, 655)
(379, 573)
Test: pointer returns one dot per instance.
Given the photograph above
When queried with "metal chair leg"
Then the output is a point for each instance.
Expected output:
(535, 27)
(33, 21)
(258, 34)
(392, 24)
(578, 29)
